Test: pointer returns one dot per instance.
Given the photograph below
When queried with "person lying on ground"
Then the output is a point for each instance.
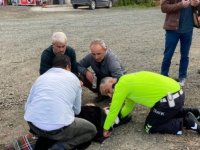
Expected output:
(97, 116)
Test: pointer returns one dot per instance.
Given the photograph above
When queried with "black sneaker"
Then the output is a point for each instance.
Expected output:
(195, 111)
(191, 117)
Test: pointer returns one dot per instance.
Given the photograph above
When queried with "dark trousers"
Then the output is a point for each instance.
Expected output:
(163, 119)
(80, 131)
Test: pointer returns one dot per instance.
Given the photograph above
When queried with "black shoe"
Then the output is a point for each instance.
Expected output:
(191, 120)
(195, 111)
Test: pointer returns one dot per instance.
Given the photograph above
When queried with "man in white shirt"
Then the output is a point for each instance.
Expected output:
(53, 102)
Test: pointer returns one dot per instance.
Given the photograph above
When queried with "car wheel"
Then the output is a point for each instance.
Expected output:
(75, 6)
(92, 5)
(110, 3)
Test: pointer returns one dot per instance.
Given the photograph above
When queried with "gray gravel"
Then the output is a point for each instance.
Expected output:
(136, 35)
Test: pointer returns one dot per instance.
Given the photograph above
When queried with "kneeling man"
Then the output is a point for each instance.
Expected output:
(53, 102)
(161, 94)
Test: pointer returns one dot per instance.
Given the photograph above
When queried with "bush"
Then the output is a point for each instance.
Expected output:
(148, 3)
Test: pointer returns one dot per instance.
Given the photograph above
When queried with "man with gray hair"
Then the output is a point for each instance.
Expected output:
(102, 62)
(59, 46)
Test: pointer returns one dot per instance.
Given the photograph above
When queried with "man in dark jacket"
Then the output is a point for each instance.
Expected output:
(179, 26)
(59, 46)
(103, 63)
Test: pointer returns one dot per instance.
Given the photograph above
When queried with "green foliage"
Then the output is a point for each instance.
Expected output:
(135, 3)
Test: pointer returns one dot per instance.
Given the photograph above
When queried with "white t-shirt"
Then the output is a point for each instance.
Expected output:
(54, 99)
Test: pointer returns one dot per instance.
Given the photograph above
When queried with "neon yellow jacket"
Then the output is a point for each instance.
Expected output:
(144, 88)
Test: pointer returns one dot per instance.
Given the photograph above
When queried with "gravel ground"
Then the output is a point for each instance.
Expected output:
(136, 35)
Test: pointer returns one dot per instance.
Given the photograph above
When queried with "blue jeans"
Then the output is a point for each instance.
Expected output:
(171, 40)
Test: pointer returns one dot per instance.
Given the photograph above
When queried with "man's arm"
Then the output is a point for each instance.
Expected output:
(127, 108)
(115, 67)
(83, 64)
(118, 99)
(77, 103)
(167, 7)
(45, 62)
(72, 56)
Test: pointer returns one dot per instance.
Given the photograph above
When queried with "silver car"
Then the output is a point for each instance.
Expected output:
(92, 3)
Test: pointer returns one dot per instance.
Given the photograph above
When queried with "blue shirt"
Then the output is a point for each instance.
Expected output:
(186, 20)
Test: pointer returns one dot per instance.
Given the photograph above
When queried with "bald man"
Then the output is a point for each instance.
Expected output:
(59, 46)
(161, 94)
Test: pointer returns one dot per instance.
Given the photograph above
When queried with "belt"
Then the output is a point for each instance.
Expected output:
(53, 132)
(175, 95)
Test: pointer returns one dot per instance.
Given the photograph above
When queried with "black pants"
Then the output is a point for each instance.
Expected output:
(163, 119)
(78, 132)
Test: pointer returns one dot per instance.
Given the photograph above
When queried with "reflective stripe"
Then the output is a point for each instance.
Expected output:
(176, 95)
(147, 128)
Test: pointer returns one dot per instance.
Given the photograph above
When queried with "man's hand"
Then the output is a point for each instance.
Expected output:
(195, 3)
(106, 133)
(81, 83)
(90, 76)
(185, 3)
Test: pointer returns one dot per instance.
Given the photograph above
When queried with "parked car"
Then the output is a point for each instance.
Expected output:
(92, 3)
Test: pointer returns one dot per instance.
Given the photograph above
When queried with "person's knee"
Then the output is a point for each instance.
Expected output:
(90, 128)
(93, 130)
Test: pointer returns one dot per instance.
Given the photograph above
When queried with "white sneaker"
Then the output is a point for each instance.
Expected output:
(182, 82)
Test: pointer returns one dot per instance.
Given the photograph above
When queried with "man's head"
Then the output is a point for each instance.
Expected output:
(106, 86)
(62, 61)
(59, 42)
(98, 49)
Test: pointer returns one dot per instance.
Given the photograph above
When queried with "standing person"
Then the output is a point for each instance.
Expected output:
(59, 46)
(53, 102)
(179, 27)
(161, 94)
(103, 63)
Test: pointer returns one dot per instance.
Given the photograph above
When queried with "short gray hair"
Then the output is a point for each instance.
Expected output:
(59, 37)
(100, 42)
(103, 82)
